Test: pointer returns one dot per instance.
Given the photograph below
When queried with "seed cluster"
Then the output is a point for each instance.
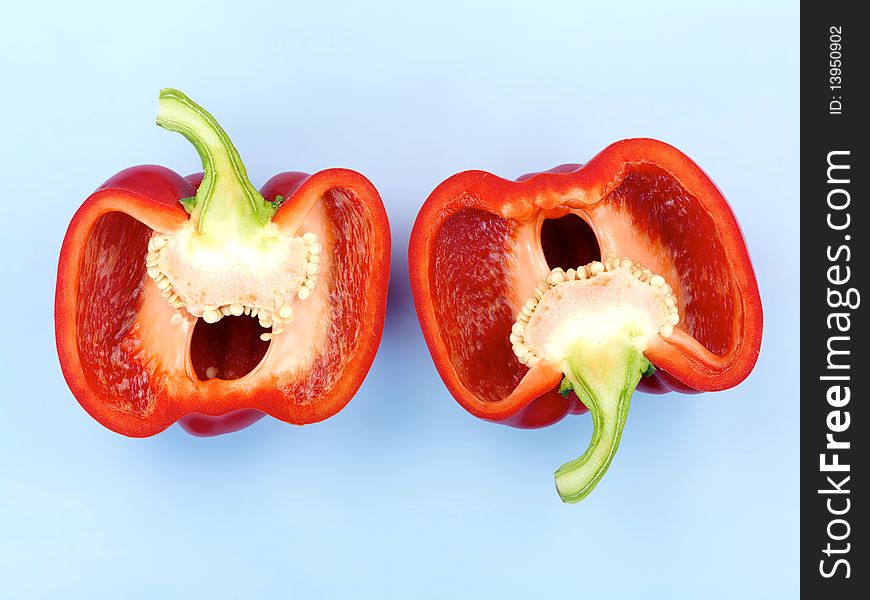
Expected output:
(274, 317)
(558, 276)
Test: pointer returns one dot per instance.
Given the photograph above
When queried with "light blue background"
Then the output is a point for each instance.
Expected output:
(402, 494)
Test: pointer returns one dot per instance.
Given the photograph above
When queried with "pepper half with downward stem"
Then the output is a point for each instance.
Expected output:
(482, 243)
(594, 323)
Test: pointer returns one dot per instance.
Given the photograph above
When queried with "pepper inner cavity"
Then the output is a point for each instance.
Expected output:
(228, 349)
(261, 279)
(568, 241)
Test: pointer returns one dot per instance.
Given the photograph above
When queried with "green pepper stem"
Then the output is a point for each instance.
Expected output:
(604, 376)
(226, 204)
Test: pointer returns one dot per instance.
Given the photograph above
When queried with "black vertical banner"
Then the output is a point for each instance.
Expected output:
(834, 370)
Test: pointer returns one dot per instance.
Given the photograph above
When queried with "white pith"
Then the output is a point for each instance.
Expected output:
(593, 303)
(260, 278)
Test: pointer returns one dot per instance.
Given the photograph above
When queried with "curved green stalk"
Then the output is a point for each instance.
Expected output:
(226, 204)
(604, 376)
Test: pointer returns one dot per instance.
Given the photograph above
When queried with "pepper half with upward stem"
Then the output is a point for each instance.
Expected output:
(204, 300)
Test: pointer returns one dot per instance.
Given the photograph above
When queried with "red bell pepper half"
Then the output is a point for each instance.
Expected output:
(204, 300)
(564, 291)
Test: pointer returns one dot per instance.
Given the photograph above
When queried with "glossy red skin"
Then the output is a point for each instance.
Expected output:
(683, 365)
(151, 194)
